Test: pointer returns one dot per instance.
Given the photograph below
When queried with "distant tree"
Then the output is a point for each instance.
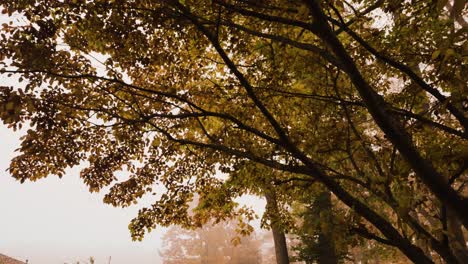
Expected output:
(323, 235)
(91, 260)
(319, 232)
(210, 244)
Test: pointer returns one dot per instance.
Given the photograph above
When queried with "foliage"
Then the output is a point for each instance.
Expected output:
(366, 98)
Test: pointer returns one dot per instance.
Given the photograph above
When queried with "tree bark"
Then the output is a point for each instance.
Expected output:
(326, 245)
(279, 238)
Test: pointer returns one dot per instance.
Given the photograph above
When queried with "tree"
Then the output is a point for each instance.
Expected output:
(318, 239)
(323, 235)
(310, 91)
(211, 244)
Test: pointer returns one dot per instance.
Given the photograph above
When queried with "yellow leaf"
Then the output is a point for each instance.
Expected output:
(236, 241)
(156, 142)
(449, 53)
(10, 106)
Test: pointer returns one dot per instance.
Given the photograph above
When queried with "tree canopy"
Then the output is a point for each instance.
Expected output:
(365, 99)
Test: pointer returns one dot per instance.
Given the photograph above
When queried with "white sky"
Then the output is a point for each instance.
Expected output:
(58, 221)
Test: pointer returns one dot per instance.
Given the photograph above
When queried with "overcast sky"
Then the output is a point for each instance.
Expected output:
(57, 220)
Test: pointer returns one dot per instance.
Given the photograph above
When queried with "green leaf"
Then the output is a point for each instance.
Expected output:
(435, 54)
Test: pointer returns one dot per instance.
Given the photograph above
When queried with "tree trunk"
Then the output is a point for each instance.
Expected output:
(326, 245)
(412, 252)
(279, 238)
(281, 250)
